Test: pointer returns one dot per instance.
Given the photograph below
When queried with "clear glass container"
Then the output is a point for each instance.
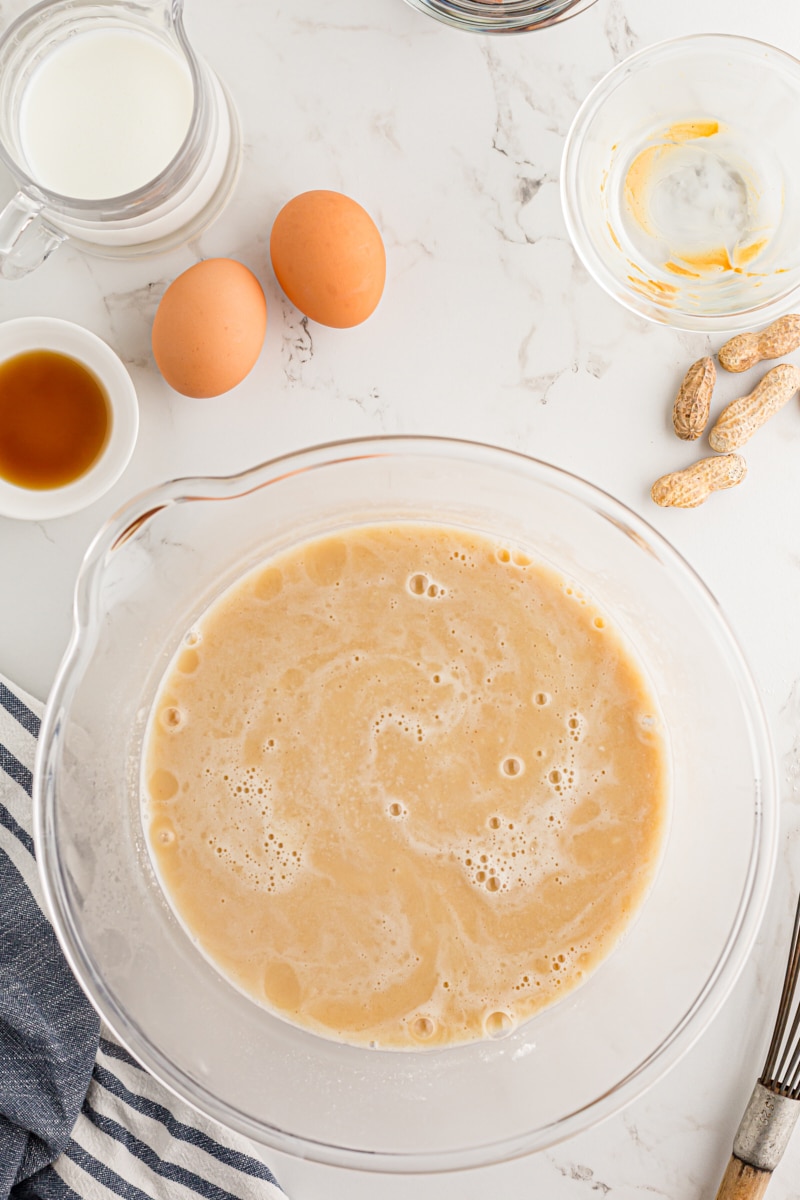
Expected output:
(678, 190)
(164, 212)
(501, 16)
(152, 571)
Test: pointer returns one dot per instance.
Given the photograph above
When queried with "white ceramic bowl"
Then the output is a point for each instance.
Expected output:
(63, 337)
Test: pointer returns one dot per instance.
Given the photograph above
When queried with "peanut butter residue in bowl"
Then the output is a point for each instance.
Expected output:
(405, 786)
(694, 205)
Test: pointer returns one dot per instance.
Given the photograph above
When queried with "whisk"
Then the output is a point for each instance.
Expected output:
(774, 1106)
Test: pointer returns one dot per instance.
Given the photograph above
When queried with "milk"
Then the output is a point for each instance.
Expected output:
(104, 113)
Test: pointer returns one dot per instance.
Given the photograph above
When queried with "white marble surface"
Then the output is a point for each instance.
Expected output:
(489, 329)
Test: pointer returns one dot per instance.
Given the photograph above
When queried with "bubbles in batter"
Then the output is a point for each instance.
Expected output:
(163, 834)
(499, 1024)
(420, 584)
(400, 792)
(171, 718)
(423, 1028)
(162, 785)
(576, 726)
(188, 662)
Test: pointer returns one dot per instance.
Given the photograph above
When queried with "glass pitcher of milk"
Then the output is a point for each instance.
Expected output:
(118, 136)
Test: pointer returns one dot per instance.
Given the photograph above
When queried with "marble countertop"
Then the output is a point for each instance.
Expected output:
(489, 329)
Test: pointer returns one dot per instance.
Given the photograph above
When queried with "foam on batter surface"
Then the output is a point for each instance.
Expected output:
(405, 786)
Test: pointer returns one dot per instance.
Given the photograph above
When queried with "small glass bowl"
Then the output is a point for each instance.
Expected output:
(679, 189)
(501, 16)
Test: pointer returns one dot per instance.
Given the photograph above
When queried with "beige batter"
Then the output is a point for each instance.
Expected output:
(404, 786)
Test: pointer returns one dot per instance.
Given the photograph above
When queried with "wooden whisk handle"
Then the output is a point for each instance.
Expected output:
(760, 1141)
(743, 1182)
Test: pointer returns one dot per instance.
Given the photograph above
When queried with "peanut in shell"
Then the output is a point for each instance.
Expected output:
(693, 402)
(692, 486)
(747, 349)
(739, 421)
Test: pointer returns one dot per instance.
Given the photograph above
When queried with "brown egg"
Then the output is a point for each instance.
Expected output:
(209, 328)
(328, 257)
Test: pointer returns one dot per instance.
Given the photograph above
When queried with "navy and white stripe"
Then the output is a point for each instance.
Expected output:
(79, 1118)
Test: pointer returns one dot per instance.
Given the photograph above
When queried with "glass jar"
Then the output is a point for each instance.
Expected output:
(501, 16)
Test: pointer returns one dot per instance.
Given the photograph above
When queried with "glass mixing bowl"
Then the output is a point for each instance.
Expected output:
(501, 16)
(152, 571)
(678, 190)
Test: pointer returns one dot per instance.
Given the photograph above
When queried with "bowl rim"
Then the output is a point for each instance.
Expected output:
(732, 957)
(23, 335)
(744, 319)
(508, 16)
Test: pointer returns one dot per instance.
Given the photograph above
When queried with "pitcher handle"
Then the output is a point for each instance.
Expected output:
(26, 238)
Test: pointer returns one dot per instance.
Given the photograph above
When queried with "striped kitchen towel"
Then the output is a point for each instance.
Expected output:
(79, 1118)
